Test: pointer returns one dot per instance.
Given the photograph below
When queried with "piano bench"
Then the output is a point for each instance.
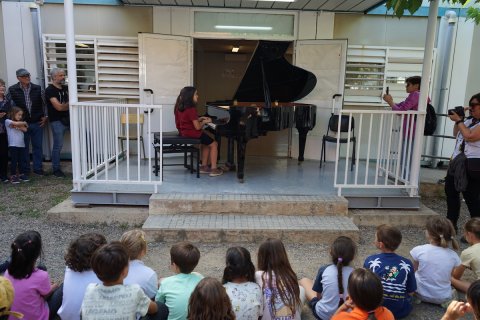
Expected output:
(173, 143)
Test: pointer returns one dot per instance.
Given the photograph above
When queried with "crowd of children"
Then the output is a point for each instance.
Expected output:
(110, 281)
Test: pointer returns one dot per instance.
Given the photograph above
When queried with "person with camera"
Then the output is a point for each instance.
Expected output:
(467, 153)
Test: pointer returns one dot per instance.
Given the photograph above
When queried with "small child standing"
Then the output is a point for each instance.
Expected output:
(138, 273)
(112, 298)
(239, 282)
(175, 291)
(78, 273)
(470, 257)
(209, 301)
(364, 301)
(396, 272)
(16, 144)
(327, 293)
(31, 285)
(434, 262)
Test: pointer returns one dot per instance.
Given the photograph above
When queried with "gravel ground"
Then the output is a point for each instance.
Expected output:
(23, 207)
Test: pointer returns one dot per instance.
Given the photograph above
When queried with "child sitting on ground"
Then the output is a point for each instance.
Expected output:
(458, 309)
(364, 301)
(112, 298)
(209, 301)
(327, 293)
(434, 262)
(79, 273)
(138, 273)
(396, 272)
(281, 292)
(239, 282)
(31, 285)
(175, 291)
(470, 257)
(6, 300)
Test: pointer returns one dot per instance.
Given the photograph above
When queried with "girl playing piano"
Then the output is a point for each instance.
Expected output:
(190, 125)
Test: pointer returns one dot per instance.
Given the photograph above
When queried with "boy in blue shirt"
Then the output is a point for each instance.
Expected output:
(175, 291)
(396, 272)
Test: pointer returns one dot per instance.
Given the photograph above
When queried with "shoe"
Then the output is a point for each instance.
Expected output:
(23, 178)
(39, 172)
(215, 172)
(463, 240)
(205, 169)
(4, 179)
(14, 180)
(59, 174)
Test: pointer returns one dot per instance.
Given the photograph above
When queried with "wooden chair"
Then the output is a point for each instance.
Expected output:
(128, 129)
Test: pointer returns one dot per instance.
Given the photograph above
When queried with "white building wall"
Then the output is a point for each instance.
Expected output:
(3, 58)
(17, 24)
(473, 79)
(99, 20)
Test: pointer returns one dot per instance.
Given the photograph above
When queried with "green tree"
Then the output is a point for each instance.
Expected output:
(399, 7)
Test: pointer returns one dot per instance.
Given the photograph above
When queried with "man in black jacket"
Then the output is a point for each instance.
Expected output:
(31, 98)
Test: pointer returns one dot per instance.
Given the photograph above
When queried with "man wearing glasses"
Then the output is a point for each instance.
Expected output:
(31, 98)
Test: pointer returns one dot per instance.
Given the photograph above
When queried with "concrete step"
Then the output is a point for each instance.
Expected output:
(248, 228)
(194, 203)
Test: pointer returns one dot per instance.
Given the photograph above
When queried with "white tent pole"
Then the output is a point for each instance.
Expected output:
(425, 88)
(71, 59)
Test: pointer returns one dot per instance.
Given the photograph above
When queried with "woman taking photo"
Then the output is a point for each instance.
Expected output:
(467, 132)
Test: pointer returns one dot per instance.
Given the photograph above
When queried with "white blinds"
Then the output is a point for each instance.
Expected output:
(106, 66)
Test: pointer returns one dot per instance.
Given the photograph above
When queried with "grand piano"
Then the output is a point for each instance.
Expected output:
(264, 101)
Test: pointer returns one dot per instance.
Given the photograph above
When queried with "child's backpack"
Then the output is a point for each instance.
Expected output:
(430, 121)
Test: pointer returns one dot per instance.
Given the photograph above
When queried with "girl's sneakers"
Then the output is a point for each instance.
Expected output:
(215, 172)
(205, 169)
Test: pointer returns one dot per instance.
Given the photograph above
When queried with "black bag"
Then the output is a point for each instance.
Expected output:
(430, 121)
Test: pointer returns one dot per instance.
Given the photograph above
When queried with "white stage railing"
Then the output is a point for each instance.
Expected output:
(96, 145)
(384, 150)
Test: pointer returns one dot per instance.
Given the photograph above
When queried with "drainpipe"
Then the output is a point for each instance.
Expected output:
(443, 98)
(422, 103)
(37, 39)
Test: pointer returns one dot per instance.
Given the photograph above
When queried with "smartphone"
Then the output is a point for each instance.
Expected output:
(388, 90)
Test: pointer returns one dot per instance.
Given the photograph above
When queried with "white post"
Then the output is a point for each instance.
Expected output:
(72, 88)
(425, 88)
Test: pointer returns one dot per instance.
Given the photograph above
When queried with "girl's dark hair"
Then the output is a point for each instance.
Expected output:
(475, 96)
(473, 297)
(79, 253)
(342, 251)
(13, 112)
(209, 301)
(273, 260)
(366, 291)
(473, 226)
(238, 264)
(185, 99)
(441, 231)
(26, 249)
(414, 80)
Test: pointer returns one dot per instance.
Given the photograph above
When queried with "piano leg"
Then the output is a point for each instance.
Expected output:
(241, 148)
(302, 139)
(230, 154)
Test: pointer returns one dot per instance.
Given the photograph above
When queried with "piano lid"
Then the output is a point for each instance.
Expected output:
(270, 77)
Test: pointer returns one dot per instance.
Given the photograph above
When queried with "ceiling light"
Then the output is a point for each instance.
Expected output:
(235, 49)
(242, 28)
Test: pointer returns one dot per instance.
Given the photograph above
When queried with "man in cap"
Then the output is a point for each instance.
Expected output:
(31, 98)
